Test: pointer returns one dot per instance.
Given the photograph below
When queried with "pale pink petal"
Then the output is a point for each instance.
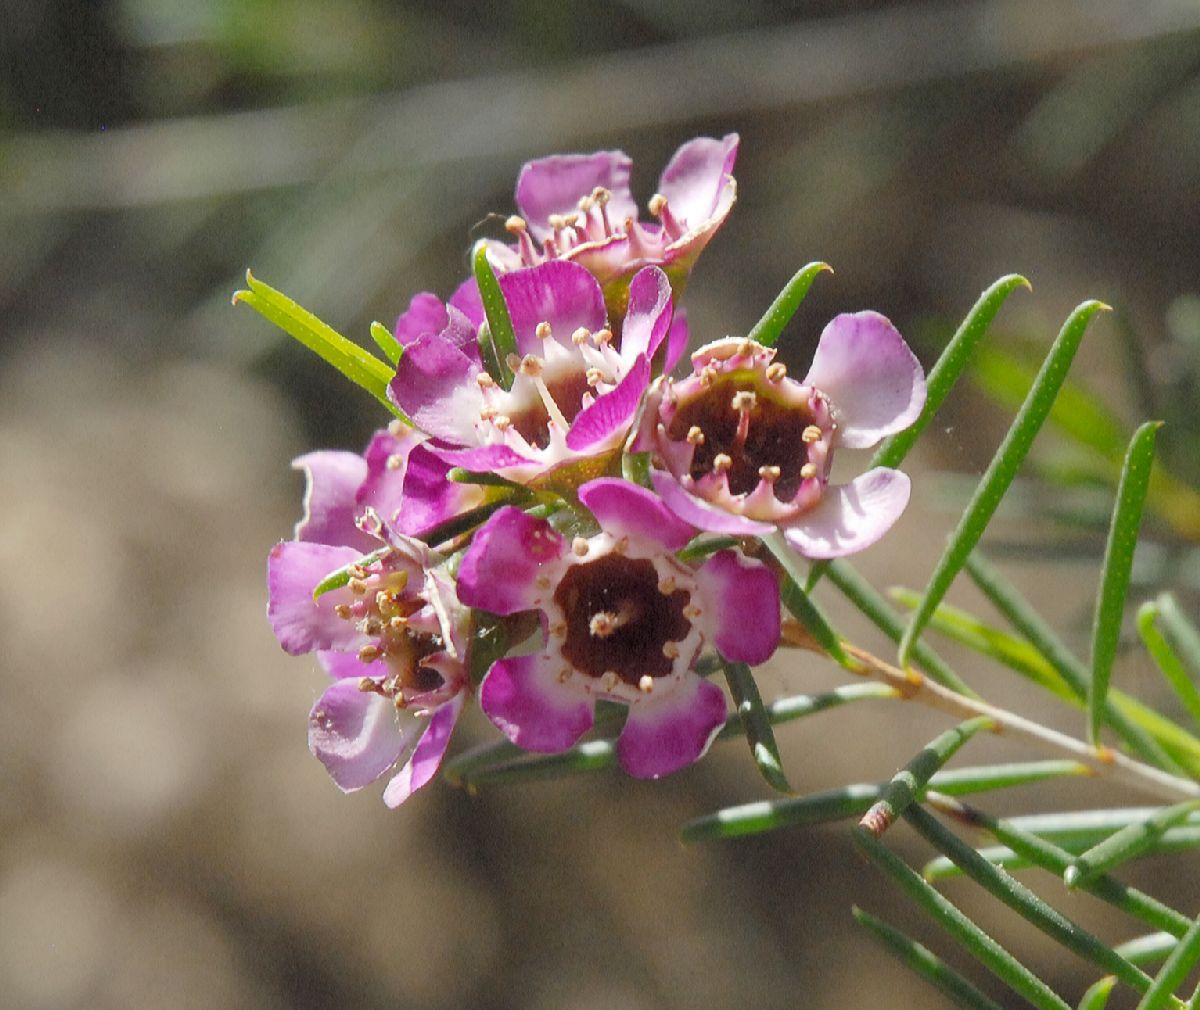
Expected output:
(466, 299)
(387, 458)
(294, 569)
(555, 185)
(612, 413)
(332, 482)
(850, 517)
(625, 509)
(356, 734)
(340, 665)
(427, 757)
(677, 339)
(741, 596)
(693, 180)
(499, 571)
(700, 513)
(428, 498)
(528, 703)
(435, 386)
(648, 317)
(425, 314)
(664, 734)
(560, 293)
(481, 458)
(874, 383)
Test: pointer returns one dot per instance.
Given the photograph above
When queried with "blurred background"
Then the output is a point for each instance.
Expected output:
(166, 841)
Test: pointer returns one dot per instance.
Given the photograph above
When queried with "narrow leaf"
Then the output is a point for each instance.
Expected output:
(925, 963)
(335, 580)
(1096, 998)
(907, 783)
(960, 781)
(800, 605)
(386, 342)
(1118, 563)
(1024, 902)
(1147, 949)
(757, 726)
(1127, 843)
(1001, 470)
(491, 361)
(1178, 965)
(346, 356)
(1167, 659)
(767, 330)
(978, 943)
(496, 309)
(1183, 634)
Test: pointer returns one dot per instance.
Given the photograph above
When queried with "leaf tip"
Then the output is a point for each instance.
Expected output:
(1072, 875)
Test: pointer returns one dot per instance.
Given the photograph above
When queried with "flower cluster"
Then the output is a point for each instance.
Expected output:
(561, 497)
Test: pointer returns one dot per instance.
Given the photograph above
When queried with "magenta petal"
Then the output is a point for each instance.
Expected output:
(874, 382)
(851, 517)
(743, 598)
(427, 757)
(435, 386)
(425, 314)
(648, 316)
(387, 459)
(613, 412)
(355, 734)
(625, 509)
(554, 185)
(693, 179)
(486, 457)
(523, 696)
(294, 568)
(499, 570)
(340, 665)
(665, 734)
(429, 499)
(333, 479)
(700, 513)
(466, 299)
(560, 293)
(677, 339)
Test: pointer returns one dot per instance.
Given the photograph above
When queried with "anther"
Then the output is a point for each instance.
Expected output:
(542, 582)
(811, 434)
(502, 421)
(691, 611)
(513, 362)
(396, 428)
(601, 196)
(744, 399)
(776, 371)
(542, 330)
(564, 674)
(657, 203)
(358, 572)
(580, 546)
(603, 337)
(580, 336)
(367, 685)
(515, 225)
(398, 623)
(531, 365)
(485, 381)
(646, 684)
(667, 585)
(488, 414)
(368, 653)
(586, 203)
(559, 630)
(670, 650)
(343, 611)
(556, 221)
(372, 627)
(721, 463)
(808, 471)
(394, 461)
(358, 587)
(594, 376)
(708, 375)
(609, 680)
(746, 348)
(695, 436)
(769, 473)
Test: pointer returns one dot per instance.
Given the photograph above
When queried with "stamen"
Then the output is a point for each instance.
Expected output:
(368, 685)
(603, 337)
(396, 428)
(657, 204)
(358, 587)
(556, 221)
(601, 196)
(769, 473)
(513, 362)
(670, 650)
(368, 653)
(609, 680)
(744, 400)
(502, 422)
(515, 225)
(372, 627)
(580, 546)
(542, 330)
(691, 611)
(358, 572)
(581, 336)
(398, 623)
(586, 203)
(485, 381)
(646, 684)
(776, 371)
(394, 462)
(556, 415)
(343, 611)
(564, 674)
(746, 348)
(811, 434)
(808, 471)
(721, 463)
(708, 375)
(595, 376)
(488, 414)
(695, 436)
(558, 630)
(531, 364)
(667, 585)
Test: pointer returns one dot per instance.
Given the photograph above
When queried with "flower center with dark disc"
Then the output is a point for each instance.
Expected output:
(620, 619)
(740, 427)
(533, 420)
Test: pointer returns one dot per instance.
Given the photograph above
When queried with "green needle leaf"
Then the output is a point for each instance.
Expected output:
(899, 794)
(925, 963)
(346, 356)
(1024, 902)
(1126, 844)
(1167, 659)
(1001, 470)
(1118, 563)
(981, 946)
(1178, 965)
(757, 725)
(335, 580)
(491, 362)
(800, 605)
(392, 349)
(767, 330)
(496, 309)
(1183, 633)
(1147, 949)
(960, 781)
(1096, 998)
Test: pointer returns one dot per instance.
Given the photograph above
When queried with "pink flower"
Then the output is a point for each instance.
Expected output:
(623, 619)
(393, 635)
(748, 450)
(579, 207)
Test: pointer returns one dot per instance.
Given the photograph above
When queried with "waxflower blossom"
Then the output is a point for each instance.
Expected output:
(746, 450)
(623, 619)
(393, 635)
(579, 207)
(575, 392)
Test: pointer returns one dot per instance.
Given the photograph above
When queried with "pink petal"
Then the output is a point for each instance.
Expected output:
(356, 735)
(693, 180)
(554, 185)
(700, 513)
(613, 412)
(499, 571)
(625, 509)
(523, 696)
(560, 293)
(340, 665)
(427, 757)
(742, 596)
(294, 569)
(851, 517)
(428, 498)
(332, 482)
(677, 339)
(481, 458)
(648, 316)
(435, 386)
(466, 299)
(425, 314)
(875, 384)
(664, 734)
(387, 459)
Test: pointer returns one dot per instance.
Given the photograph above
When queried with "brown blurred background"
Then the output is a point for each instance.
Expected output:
(166, 841)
